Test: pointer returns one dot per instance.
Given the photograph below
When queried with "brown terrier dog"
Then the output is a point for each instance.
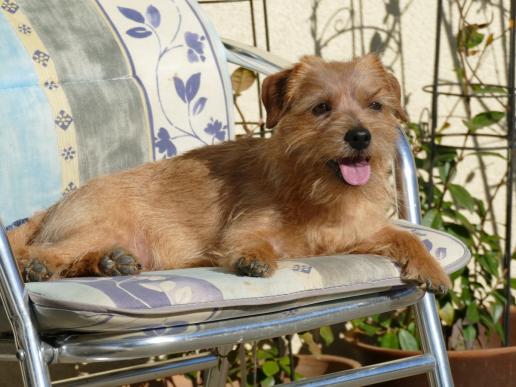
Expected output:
(318, 186)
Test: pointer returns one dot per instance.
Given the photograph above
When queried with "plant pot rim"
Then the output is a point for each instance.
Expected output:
(472, 353)
(332, 358)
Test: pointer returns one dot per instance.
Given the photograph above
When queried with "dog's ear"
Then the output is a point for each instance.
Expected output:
(372, 61)
(394, 86)
(274, 95)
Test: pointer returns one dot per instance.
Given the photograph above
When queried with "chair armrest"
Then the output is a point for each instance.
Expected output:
(253, 58)
(409, 207)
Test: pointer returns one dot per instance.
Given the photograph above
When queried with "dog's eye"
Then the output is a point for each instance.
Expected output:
(321, 109)
(375, 106)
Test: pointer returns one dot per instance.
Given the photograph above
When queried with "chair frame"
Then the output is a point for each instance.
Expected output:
(35, 352)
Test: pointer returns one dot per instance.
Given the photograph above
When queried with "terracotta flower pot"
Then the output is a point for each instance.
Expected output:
(479, 367)
(310, 366)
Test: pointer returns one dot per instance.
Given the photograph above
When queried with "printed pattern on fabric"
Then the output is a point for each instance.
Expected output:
(175, 62)
(63, 121)
(186, 296)
(108, 105)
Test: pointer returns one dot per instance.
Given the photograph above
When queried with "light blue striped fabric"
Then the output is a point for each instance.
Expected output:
(24, 106)
(17, 69)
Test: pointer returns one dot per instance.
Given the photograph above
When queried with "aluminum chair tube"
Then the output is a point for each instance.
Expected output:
(141, 373)
(16, 302)
(102, 347)
(426, 310)
(372, 374)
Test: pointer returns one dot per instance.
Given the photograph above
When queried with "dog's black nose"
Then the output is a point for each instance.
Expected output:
(358, 138)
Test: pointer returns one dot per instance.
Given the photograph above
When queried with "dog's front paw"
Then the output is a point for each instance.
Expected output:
(253, 267)
(36, 270)
(119, 262)
(430, 277)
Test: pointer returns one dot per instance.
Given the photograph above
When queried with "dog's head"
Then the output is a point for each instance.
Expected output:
(337, 115)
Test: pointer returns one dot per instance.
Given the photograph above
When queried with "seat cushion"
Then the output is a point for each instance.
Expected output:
(186, 296)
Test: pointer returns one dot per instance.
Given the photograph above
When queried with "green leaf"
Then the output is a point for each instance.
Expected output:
(447, 314)
(242, 79)
(462, 197)
(444, 153)
(385, 320)
(459, 231)
(472, 316)
(469, 37)
(390, 340)
(470, 334)
(412, 328)
(474, 39)
(513, 283)
(488, 89)
(484, 119)
(433, 219)
(284, 363)
(368, 329)
(499, 295)
(327, 335)
(264, 354)
(496, 310)
(489, 263)
(407, 341)
(499, 329)
(308, 339)
(268, 382)
(270, 368)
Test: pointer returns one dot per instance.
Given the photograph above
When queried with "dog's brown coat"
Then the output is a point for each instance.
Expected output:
(252, 201)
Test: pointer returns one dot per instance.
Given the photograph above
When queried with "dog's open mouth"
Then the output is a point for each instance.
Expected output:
(354, 171)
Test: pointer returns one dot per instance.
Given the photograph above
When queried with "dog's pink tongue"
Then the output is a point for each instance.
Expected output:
(355, 173)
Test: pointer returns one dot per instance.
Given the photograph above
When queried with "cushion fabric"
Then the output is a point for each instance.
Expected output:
(88, 88)
(185, 296)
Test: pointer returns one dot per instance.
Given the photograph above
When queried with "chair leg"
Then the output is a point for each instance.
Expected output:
(33, 366)
(432, 341)
(216, 377)
(16, 303)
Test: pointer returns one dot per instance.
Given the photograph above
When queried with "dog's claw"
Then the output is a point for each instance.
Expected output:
(429, 287)
(118, 262)
(36, 271)
(252, 267)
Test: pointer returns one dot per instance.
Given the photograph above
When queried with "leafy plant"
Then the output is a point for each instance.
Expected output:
(266, 363)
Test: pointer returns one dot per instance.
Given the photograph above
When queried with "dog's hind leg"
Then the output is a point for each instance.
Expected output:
(74, 256)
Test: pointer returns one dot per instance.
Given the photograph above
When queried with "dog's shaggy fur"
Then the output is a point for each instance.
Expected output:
(311, 189)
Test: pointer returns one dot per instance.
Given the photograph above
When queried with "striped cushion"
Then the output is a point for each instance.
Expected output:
(92, 87)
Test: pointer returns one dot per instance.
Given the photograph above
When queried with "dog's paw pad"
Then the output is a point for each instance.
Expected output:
(253, 267)
(118, 262)
(36, 271)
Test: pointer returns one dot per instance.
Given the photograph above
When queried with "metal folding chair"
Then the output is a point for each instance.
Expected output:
(49, 325)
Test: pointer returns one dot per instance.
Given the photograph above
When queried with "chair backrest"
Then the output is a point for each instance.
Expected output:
(92, 87)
